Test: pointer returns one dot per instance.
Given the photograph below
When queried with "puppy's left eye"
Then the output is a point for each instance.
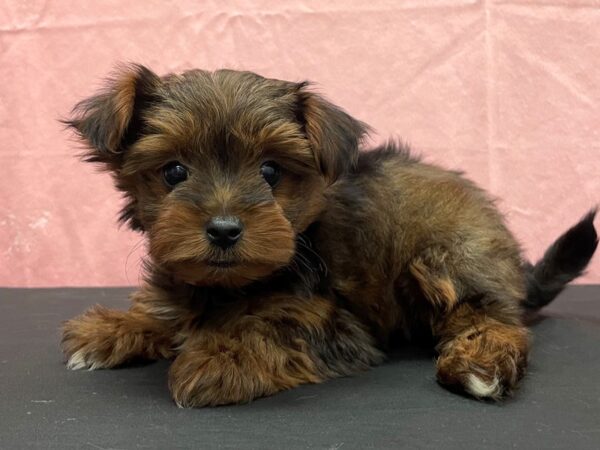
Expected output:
(271, 172)
(174, 173)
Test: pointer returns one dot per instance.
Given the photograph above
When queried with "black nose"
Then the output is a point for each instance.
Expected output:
(224, 232)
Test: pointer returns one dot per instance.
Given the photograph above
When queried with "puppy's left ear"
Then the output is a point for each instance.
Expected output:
(111, 121)
(334, 135)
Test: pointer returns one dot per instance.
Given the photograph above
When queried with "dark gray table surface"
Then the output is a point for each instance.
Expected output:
(396, 405)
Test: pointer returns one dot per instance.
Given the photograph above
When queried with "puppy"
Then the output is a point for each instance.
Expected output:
(280, 255)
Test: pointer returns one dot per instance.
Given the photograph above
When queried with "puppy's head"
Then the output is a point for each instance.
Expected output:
(221, 169)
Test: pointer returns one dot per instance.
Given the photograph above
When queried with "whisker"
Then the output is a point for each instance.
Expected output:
(307, 245)
(135, 247)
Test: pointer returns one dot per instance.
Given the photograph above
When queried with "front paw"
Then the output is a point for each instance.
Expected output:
(202, 378)
(90, 340)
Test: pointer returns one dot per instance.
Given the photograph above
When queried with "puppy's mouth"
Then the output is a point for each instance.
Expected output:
(221, 264)
(229, 273)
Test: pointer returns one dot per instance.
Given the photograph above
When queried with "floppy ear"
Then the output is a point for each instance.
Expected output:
(111, 120)
(334, 135)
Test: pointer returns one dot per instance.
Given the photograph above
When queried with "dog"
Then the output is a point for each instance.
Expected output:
(280, 254)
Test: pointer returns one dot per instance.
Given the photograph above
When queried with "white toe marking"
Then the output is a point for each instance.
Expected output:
(76, 361)
(479, 388)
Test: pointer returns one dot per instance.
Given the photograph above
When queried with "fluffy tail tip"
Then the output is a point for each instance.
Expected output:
(564, 261)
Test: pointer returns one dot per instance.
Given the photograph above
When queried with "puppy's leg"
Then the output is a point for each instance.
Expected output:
(480, 354)
(273, 345)
(483, 344)
(104, 338)
(431, 272)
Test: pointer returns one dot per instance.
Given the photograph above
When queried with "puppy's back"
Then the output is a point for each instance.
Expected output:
(395, 219)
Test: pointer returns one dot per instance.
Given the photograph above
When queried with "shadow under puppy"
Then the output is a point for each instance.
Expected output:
(280, 255)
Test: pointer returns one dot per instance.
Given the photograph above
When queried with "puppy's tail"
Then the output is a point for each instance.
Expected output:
(565, 260)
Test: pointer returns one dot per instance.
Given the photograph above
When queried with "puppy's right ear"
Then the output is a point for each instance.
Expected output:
(111, 121)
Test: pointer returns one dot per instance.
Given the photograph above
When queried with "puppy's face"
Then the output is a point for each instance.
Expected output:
(222, 170)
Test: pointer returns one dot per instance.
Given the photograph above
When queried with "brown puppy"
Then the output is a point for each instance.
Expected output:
(280, 255)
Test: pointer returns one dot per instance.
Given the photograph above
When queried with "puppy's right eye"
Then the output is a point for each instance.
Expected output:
(174, 173)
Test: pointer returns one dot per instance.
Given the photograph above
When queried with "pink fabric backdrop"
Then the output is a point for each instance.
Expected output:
(507, 90)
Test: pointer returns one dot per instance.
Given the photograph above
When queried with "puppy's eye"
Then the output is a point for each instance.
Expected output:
(271, 172)
(174, 173)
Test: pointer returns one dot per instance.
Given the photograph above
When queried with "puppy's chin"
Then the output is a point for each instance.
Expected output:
(234, 275)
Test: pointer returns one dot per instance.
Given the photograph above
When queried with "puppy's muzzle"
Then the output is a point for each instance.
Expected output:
(224, 232)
